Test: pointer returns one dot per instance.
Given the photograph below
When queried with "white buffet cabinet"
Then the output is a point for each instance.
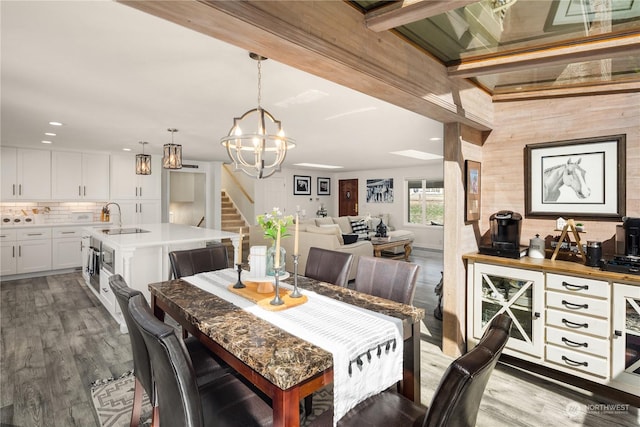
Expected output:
(143, 258)
(568, 317)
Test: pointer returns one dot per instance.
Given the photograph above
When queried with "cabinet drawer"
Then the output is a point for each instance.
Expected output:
(578, 342)
(578, 304)
(578, 323)
(578, 285)
(67, 232)
(34, 233)
(7, 235)
(578, 361)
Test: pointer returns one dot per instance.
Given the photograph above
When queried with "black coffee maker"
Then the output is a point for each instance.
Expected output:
(505, 235)
(628, 237)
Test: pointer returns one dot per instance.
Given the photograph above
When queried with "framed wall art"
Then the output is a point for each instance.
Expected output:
(380, 190)
(301, 185)
(580, 178)
(472, 191)
(324, 186)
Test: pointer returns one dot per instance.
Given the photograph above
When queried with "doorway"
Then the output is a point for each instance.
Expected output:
(187, 198)
(348, 197)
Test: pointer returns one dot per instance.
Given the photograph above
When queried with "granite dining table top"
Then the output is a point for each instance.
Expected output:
(283, 359)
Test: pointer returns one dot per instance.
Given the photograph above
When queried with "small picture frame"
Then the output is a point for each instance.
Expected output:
(301, 185)
(324, 186)
(472, 191)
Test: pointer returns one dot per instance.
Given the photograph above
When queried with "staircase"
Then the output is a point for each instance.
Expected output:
(232, 221)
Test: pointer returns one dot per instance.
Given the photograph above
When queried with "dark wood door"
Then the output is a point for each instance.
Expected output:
(348, 197)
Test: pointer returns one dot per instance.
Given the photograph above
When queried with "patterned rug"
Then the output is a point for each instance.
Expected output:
(113, 398)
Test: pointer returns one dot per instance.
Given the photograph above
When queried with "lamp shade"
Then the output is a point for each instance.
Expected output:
(172, 154)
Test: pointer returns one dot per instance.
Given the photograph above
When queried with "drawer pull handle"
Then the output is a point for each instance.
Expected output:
(617, 333)
(573, 362)
(570, 343)
(572, 287)
(574, 306)
(34, 234)
(571, 324)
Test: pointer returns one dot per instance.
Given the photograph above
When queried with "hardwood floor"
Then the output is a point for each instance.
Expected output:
(56, 339)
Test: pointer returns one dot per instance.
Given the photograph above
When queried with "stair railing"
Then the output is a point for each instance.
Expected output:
(237, 183)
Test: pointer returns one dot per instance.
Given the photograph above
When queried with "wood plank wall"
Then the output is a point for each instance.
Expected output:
(520, 123)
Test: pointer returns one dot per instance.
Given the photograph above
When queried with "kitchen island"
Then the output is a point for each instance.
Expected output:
(140, 254)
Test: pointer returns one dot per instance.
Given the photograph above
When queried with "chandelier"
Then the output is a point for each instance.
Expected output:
(143, 161)
(172, 154)
(259, 153)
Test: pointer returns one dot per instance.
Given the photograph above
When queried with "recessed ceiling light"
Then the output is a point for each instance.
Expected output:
(319, 166)
(50, 134)
(126, 149)
(435, 139)
(55, 123)
(415, 154)
(46, 142)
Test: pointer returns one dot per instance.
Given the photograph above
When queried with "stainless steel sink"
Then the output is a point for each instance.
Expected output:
(124, 231)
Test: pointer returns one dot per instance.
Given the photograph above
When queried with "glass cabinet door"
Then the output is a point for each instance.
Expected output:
(518, 293)
(626, 336)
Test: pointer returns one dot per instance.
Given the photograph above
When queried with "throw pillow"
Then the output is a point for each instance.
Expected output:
(327, 229)
(349, 238)
(324, 221)
(359, 227)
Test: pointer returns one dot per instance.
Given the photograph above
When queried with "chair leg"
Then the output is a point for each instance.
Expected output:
(308, 405)
(137, 404)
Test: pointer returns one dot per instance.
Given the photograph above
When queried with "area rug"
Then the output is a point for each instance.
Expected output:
(113, 398)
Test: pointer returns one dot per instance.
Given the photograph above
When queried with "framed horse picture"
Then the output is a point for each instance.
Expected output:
(472, 191)
(580, 178)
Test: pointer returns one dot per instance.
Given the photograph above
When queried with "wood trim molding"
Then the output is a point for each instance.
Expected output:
(601, 89)
(550, 55)
(405, 12)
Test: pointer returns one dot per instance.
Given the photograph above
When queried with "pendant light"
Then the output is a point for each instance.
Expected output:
(143, 161)
(261, 147)
(172, 157)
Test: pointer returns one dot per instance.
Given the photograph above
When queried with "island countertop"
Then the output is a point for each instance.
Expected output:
(158, 235)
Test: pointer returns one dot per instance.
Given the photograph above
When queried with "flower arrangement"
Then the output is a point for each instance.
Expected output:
(270, 222)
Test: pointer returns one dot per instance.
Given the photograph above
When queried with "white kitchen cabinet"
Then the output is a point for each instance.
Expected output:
(66, 248)
(139, 212)
(625, 355)
(80, 176)
(126, 185)
(25, 174)
(516, 292)
(8, 258)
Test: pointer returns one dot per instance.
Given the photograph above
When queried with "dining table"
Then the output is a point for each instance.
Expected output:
(285, 367)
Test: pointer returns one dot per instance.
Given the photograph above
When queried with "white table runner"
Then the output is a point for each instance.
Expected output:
(366, 346)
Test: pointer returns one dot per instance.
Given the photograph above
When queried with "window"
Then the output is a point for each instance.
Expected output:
(425, 202)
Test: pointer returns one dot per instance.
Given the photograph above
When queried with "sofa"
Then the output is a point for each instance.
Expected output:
(327, 233)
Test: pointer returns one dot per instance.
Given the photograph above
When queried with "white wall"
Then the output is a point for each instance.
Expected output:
(430, 237)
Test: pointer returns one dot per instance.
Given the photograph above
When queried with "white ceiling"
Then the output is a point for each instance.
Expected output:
(115, 76)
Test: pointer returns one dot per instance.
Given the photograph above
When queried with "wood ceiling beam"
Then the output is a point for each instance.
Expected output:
(329, 39)
(567, 92)
(550, 55)
(408, 11)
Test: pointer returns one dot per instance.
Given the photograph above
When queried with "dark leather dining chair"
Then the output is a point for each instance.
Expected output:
(455, 402)
(387, 278)
(193, 261)
(226, 401)
(328, 266)
(207, 368)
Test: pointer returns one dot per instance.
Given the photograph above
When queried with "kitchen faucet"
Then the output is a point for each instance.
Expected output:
(119, 212)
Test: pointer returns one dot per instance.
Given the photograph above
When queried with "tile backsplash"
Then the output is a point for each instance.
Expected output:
(44, 213)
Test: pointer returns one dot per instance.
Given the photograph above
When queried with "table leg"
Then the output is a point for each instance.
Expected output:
(410, 384)
(377, 252)
(407, 251)
(286, 409)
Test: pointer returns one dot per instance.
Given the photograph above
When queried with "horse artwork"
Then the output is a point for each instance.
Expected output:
(569, 174)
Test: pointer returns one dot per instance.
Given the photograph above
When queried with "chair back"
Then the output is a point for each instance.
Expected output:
(387, 278)
(178, 396)
(193, 261)
(328, 266)
(457, 399)
(141, 364)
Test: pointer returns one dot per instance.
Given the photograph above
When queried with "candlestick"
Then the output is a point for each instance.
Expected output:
(276, 262)
(295, 239)
(296, 292)
(276, 299)
(239, 260)
(239, 284)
